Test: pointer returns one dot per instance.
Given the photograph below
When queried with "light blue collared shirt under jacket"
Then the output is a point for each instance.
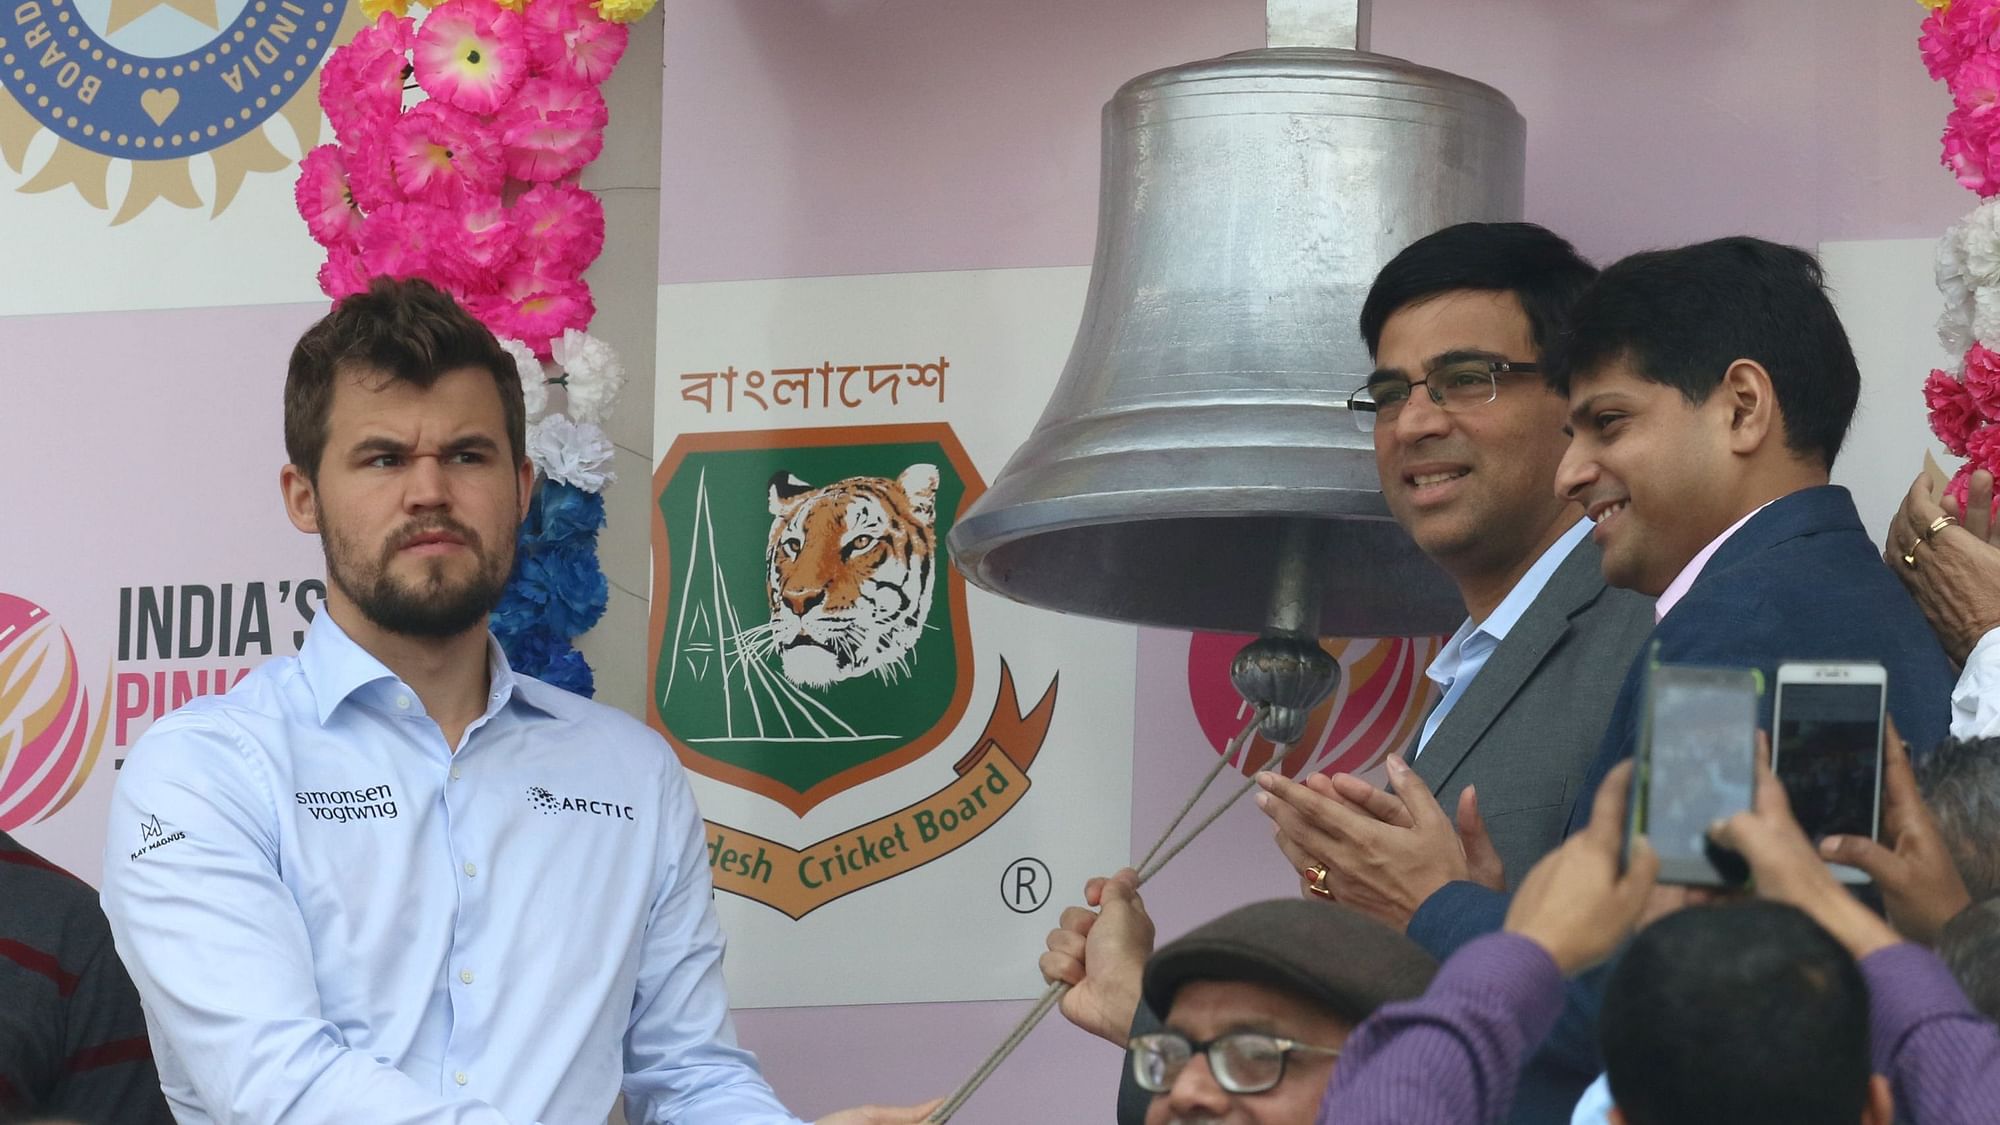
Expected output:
(1461, 658)
(331, 917)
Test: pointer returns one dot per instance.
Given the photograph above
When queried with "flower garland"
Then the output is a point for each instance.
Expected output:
(472, 187)
(1960, 45)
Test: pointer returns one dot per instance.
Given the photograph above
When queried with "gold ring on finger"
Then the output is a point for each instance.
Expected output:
(1316, 880)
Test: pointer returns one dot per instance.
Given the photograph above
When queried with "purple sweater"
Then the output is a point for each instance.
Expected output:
(1451, 1056)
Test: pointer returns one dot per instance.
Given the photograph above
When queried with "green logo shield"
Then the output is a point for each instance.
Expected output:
(808, 632)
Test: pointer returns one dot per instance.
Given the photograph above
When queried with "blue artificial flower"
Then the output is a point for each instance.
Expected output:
(566, 584)
(570, 672)
(551, 659)
(568, 514)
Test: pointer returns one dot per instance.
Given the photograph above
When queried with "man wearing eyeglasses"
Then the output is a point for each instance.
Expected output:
(1468, 437)
(1257, 1010)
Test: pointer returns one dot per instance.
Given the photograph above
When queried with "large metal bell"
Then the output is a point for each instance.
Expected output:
(1246, 205)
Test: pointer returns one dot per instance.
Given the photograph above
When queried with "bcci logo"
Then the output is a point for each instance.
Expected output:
(156, 82)
(49, 738)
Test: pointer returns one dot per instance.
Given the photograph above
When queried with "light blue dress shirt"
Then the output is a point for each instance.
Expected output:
(333, 917)
(1594, 1107)
(1461, 658)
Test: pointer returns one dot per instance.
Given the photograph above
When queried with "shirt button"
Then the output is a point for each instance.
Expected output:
(402, 703)
(460, 1078)
(455, 774)
(471, 870)
(465, 975)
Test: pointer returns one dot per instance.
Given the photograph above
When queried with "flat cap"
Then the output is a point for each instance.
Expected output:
(1325, 953)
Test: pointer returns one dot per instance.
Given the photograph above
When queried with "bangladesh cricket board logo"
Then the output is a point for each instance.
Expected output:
(158, 83)
(809, 634)
(49, 737)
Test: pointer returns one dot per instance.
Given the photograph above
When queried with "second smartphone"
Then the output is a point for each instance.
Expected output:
(1826, 748)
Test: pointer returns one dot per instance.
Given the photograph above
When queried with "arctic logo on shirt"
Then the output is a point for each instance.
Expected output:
(550, 804)
(374, 803)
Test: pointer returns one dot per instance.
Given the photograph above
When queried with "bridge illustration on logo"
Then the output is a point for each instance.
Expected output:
(125, 80)
(49, 738)
(712, 653)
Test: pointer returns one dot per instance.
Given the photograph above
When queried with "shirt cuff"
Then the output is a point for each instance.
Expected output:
(1975, 700)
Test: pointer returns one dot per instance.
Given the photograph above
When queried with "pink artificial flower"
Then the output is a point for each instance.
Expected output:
(471, 55)
(536, 309)
(1952, 35)
(1953, 414)
(324, 200)
(1975, 86)
(442, 154)
(361, 85)
(1939, 45)
(1968, 149)
(404, 240)
(371, 171)
(552, 128)
(343, 274)
(562, 227)
(1982, 381)
(484, 242)
(568, 39)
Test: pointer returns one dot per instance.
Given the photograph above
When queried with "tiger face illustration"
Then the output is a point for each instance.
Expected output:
(849, 571)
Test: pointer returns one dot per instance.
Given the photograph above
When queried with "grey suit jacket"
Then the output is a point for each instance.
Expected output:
(1527, 729)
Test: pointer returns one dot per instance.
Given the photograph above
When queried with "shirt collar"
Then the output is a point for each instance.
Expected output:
(1444, 667)
(335, 668)
(1678, 588)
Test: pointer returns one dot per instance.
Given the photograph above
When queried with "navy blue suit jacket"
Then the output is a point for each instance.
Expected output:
(1801, 580)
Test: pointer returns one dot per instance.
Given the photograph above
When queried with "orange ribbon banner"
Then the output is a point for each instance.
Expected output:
(987, 782)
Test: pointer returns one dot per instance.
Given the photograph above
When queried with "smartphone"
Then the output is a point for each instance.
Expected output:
(1827, 749)
(1697, 765)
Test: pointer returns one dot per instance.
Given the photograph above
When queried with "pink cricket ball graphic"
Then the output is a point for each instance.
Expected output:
(1377, 709)
(46, 745)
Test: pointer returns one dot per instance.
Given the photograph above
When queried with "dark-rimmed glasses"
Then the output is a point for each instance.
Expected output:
(1455, 386)
(1243, 1062)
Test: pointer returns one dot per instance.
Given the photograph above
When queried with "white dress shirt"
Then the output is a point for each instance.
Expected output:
(334, 917)
(1461, 658)
(1975, 700)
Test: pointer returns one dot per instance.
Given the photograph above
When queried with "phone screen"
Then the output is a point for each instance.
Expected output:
(1703, 748)
(1829, 755)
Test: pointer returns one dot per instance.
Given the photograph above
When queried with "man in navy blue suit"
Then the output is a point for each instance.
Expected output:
(1710, 388)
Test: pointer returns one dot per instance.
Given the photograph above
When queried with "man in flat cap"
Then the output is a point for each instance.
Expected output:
(1256, 1009)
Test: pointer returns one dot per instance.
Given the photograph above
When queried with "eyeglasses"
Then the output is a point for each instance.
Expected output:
(1456, 386)
(1243, 1062)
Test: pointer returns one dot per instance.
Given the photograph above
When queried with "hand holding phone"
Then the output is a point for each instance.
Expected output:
(1921, 886)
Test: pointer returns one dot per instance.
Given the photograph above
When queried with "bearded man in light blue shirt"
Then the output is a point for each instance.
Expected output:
(388, 881)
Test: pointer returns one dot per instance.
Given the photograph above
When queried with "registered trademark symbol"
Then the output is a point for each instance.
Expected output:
(1026, 885)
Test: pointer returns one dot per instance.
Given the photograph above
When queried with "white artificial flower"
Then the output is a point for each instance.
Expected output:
(1954, 325)
(1954, 329)
(1985, 318)
(574, 453)
(534, 378)
(1978, 245)
(591, 372)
